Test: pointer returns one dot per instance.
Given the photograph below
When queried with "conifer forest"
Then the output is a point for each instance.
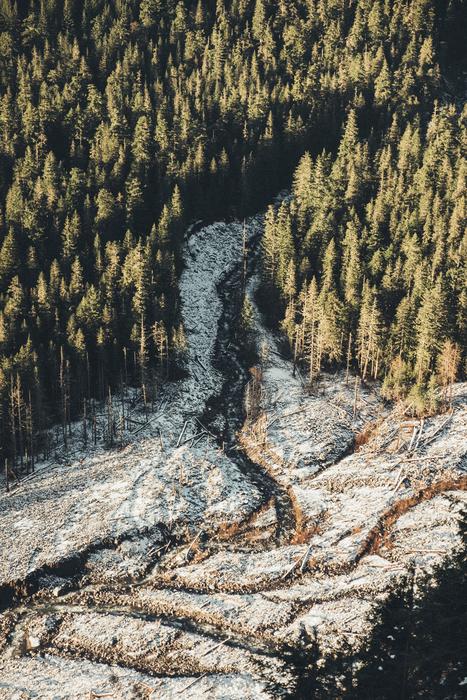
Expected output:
(234, 233)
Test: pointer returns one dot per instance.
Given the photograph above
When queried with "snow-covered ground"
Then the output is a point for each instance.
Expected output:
(44, 677)
(180, 562)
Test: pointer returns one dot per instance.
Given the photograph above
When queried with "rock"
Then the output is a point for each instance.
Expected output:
(32, 642)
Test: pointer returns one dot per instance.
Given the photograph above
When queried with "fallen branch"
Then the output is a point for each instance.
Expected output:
(216, 646)
(291, 569)
(182, 433)
(441, 427)
(201, 364)
(186, 687)
(305, 559)
(192, 543)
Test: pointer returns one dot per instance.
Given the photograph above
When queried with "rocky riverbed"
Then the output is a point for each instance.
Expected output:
(190, 561)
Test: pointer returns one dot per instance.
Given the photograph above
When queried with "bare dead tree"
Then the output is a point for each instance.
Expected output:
(253, 394)
(349, 358)
(63, 395)
(448, 366)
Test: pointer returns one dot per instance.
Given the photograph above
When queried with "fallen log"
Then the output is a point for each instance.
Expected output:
(399, 479)
(409, 449)
(305, 559)
(354, 634)
(152, 552)
(422, 458)
(186, 687)
(204, 428)
(148, 422)
(201, 364)
(286, 415)
(200, 437)
(425, 551)
(198, 535)
(160, 438)
(216, 646)
(431, 437)
(291, 569)
(189, 439)
(182, 433)
(419, 435)
(136, 422)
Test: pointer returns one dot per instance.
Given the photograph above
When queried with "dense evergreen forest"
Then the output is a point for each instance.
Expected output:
(368, 260)
(123, 120)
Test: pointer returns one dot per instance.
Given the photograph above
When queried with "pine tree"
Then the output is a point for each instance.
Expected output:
(310, 344)
(141, 146)
(270, 245)
(447, 367)
(330, 327)
(369, 336)
(70, 236)
(430, 328)
(9, 259)
(259, 20)
(150, 11)
(351, 267)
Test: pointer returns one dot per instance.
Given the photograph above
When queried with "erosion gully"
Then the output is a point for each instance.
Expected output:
(231, 361)
(24, 599)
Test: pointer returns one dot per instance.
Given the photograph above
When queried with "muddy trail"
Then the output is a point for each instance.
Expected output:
(230, 606)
